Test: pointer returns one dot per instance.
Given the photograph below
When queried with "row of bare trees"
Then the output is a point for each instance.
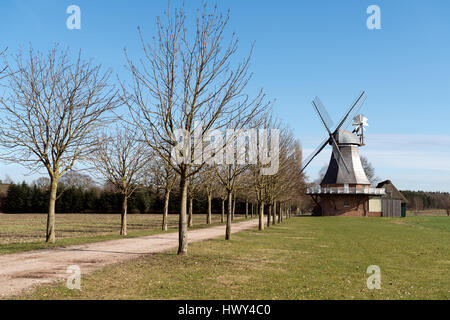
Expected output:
(59, 113)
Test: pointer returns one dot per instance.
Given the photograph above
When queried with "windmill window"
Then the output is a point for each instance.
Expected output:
(346, 204)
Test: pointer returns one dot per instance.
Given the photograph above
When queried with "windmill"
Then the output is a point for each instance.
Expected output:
(345, 189)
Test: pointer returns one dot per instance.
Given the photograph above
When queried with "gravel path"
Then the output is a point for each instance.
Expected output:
(21, 271)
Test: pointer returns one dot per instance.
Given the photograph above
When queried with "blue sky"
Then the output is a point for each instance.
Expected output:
(302, 49)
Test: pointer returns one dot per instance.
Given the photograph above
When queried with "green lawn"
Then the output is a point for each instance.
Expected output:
(24, 232)
(303, 258)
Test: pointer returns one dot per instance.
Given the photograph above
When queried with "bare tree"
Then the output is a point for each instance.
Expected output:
(164, 178)
(223, 197)
(280, 184)
(259, 181)
(277, 192)
(51, 116)
(194, 186)
(186, 82)
(322, 172)
(246, 191)
(211, 185)
(369, 170)
(228, 175)
(122, 160)
(445, 203)
(8, 179)
(2, 70)
(76, 179)
(42, 182)
(170, 178)
(209, 188)
(291, 190)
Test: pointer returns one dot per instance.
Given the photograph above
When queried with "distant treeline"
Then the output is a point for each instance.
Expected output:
(23, 198)
(421, 200)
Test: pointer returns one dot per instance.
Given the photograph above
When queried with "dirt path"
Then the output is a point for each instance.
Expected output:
(21, 271)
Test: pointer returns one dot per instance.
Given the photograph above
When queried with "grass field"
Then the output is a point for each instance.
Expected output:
(22, 232)
(303, 258)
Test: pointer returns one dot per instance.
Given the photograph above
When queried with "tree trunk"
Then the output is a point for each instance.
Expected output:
(123, 224)
(269, 215)
(253, 208)
(234, 206)
(182, 228)
(208, 217)
(229, 216)
(261, 216)
(279, 212)
(222, 217)
(166, 209)
(274, 212)
(50, 236)
(246, 208)
(191, 220)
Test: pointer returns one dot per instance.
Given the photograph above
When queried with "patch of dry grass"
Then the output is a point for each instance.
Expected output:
(20, 228)
(304, 258)
(426, 213)
(24, 232)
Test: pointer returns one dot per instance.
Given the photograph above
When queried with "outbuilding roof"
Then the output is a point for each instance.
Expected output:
(391, 191)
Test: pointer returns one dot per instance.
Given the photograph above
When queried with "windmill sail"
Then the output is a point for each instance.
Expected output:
(310, 158)
(323, 114)
(352, 111)
(338, 155)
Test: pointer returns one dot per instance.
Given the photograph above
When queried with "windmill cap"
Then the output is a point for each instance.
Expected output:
(347, 137)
